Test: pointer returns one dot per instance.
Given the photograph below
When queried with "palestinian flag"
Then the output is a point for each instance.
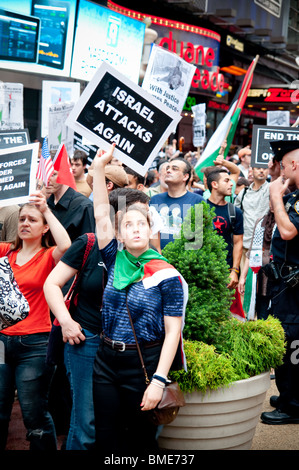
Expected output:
(156, 271)
(227, 128)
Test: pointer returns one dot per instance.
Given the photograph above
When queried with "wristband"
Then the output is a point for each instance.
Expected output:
(158, 384)
(236, 270)
(160, 378)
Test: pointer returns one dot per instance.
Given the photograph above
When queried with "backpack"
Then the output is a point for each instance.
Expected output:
(232, 215)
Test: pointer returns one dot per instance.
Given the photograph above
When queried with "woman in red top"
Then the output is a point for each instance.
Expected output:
(23, 346)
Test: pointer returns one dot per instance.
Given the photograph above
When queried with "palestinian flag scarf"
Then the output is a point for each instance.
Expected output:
(151, 268)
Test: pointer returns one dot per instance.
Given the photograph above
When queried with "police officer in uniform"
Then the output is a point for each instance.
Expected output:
(283, 282)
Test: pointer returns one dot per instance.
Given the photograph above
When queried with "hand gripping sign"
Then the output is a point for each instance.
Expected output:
(113, 109)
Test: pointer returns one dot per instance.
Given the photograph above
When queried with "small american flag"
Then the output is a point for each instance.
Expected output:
(45, 167)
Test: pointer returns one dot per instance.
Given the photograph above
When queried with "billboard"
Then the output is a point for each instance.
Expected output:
(109, 37)
(47, 24)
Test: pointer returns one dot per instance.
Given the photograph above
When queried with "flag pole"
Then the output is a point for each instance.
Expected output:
(296, 123)
(224, 143)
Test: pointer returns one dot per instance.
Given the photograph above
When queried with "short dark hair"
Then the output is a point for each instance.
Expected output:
(80, 155)
(242, 180)
(188, 167)
(207, 170)
(214, 176)
(140, 179)
(150, 178)
(121, 198)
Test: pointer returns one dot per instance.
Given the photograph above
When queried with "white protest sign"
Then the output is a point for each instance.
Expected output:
(11, 106)
(59, 133)
(199, 124)
(18, 167)
(168, 77)
(54, 93)
(113, 109)
(278, 118)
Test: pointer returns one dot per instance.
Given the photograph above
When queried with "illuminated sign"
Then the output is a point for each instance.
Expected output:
(194, 44)
(275, 95)
(109, 37)
(234, 43)
(53, 42)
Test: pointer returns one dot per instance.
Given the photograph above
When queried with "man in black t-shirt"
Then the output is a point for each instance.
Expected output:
(73, 210)
(220, 185)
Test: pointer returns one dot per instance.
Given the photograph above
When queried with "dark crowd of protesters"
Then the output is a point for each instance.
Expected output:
(91, 387)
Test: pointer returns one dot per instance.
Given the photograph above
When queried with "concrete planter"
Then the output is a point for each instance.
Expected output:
(225, 418)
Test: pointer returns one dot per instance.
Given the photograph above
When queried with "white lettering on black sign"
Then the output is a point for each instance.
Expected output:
(261, 150)
(119, 115)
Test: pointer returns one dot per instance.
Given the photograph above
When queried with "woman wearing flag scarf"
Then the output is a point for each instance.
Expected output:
(156, 296)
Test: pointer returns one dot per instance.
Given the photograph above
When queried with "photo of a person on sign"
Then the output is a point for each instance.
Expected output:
(174, 77)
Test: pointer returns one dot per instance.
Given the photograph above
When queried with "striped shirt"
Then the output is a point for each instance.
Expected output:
(147, 306)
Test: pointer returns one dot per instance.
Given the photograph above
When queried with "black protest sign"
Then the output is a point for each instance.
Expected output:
(89, 149)
(17, 173)
(261, 150)
(10, 139)
(112, 109)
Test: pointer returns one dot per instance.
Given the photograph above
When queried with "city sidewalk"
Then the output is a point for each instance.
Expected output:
(284, 437)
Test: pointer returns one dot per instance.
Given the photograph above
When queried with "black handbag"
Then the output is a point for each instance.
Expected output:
(172, 399)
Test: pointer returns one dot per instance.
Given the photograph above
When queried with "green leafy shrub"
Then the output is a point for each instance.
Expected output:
(206, 272)
(206, 368)
(244, 350)
(219, 349)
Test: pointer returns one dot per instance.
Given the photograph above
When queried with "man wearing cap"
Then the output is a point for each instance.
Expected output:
(283, 275)
(115, 175)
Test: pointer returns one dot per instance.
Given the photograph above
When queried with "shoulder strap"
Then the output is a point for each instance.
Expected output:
(243, 195)
(232, 214)
(137, 345)
(89, 245)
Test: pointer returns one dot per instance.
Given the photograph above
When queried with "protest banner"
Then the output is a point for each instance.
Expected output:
(11, 106)
(18, 173)
(168, 78)
(113, 109)
(278, 118)
(199, 124)
(54, 92)
(81, 143)
(261, 151)
(59, 133)
(13, 138)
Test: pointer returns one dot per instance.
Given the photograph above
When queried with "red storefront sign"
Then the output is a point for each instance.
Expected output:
(194, 44)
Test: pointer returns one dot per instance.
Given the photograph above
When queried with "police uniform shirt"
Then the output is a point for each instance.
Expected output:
(291, 256)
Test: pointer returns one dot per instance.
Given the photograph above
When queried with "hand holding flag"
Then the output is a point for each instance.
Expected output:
(221, 140)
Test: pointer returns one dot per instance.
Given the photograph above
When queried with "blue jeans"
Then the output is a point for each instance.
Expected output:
(23, 367)
(79, 361)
